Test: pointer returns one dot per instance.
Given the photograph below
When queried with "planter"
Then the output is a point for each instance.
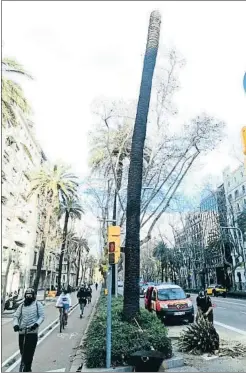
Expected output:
(174, 362)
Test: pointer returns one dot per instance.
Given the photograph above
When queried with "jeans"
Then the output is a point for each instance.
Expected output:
(82, 306)
(27, 350)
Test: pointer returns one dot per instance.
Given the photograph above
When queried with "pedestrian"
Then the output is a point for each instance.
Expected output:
(96, 285)
(29, 314)
(81, 295)
(204, 306)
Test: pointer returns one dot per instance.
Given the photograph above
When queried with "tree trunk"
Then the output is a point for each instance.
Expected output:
(132, 245)
(39, 266)
(68, 273)
(44, 242)
(6, 279)
(78, 267)
(63, 246)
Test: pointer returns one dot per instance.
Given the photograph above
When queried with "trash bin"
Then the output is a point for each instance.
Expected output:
(147, 361)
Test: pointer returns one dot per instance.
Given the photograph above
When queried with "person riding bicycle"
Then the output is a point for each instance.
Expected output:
(64, 301)
(29, 315)
(204, 306)
(82, 295)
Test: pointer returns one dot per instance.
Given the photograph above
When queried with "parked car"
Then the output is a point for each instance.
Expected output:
(169, 302)
(216, 290)
(144, 287)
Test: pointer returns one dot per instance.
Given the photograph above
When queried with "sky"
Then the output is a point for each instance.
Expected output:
(82, 51)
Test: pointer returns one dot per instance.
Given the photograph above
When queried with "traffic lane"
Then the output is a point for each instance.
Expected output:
(226, 302)
(10, 345)
(58, 349)
(230, 315)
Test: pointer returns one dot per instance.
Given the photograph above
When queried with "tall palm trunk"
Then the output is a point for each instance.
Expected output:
(43, 244)
(64, 238)
(78, 267)
(132, 246)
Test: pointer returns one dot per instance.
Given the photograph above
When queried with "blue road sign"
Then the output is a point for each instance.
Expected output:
(244, 82)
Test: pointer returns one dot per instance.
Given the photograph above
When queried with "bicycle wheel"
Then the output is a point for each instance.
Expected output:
(63, 320)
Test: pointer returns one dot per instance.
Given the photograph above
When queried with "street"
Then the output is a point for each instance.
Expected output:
(55, 352)
(229, 316)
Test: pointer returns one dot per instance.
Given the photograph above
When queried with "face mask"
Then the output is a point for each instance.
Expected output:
(28, 301)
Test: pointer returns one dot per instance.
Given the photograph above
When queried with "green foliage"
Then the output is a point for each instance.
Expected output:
(13, 99)
(127, 338)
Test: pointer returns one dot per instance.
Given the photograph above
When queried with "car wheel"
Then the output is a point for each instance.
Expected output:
(224, 295)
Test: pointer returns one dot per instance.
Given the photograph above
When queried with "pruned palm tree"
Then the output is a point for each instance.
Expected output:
(132, 245)
(13, 99)
(51, 183)
(70, 208)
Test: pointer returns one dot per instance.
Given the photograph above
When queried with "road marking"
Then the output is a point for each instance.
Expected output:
(57, 370)
(222, 308)
(239, 331)
(243, 313)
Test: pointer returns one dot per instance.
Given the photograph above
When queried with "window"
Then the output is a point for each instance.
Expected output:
(238, 207)
(171, 294)
(153, 297)
(243, 189)
(229, 183)
(230, 197)
(236, 194)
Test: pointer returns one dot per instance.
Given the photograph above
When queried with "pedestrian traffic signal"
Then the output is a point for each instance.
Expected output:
(113, 244)
(243, 133)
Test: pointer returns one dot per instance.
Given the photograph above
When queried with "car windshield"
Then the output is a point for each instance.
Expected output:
(171, 294)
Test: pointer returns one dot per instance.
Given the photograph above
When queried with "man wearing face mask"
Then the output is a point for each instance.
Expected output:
(30, 314)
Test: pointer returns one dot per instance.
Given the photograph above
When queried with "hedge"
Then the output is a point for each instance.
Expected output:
(126, 337)
(230, 294)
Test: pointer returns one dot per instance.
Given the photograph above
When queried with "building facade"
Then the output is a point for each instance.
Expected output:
(21, 155)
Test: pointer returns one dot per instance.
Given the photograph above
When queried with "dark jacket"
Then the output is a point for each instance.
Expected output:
(81, 295)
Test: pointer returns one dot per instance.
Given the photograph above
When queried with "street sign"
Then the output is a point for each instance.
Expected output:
(244, 82)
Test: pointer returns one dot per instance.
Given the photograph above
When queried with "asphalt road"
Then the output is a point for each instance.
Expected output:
(229, 314)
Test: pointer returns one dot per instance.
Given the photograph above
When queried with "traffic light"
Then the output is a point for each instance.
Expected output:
(243, 133)
(113, 244)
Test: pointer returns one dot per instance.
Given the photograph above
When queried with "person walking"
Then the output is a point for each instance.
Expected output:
(96, 285)
(82, 295)
(204, 306)
(29, 315)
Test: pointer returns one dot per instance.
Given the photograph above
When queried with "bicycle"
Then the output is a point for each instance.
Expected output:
(22, 364)
(62, 317)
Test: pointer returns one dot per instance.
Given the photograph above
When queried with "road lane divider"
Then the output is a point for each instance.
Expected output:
(11, 362)
(239, 331)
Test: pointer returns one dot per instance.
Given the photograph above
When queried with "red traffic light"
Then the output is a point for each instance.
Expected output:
(111, 247)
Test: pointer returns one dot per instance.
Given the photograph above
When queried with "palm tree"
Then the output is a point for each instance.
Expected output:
(51, 183)
(132, 245)
(69, 208)
(13, 99)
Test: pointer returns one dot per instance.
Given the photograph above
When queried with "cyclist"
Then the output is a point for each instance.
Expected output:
(64, 301)
(29, 315)
(82, 295)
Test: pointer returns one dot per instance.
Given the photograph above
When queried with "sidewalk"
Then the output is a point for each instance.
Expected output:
(10, 345)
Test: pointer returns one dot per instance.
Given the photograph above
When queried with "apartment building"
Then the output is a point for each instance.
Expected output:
(235, 191)
(21, 155)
